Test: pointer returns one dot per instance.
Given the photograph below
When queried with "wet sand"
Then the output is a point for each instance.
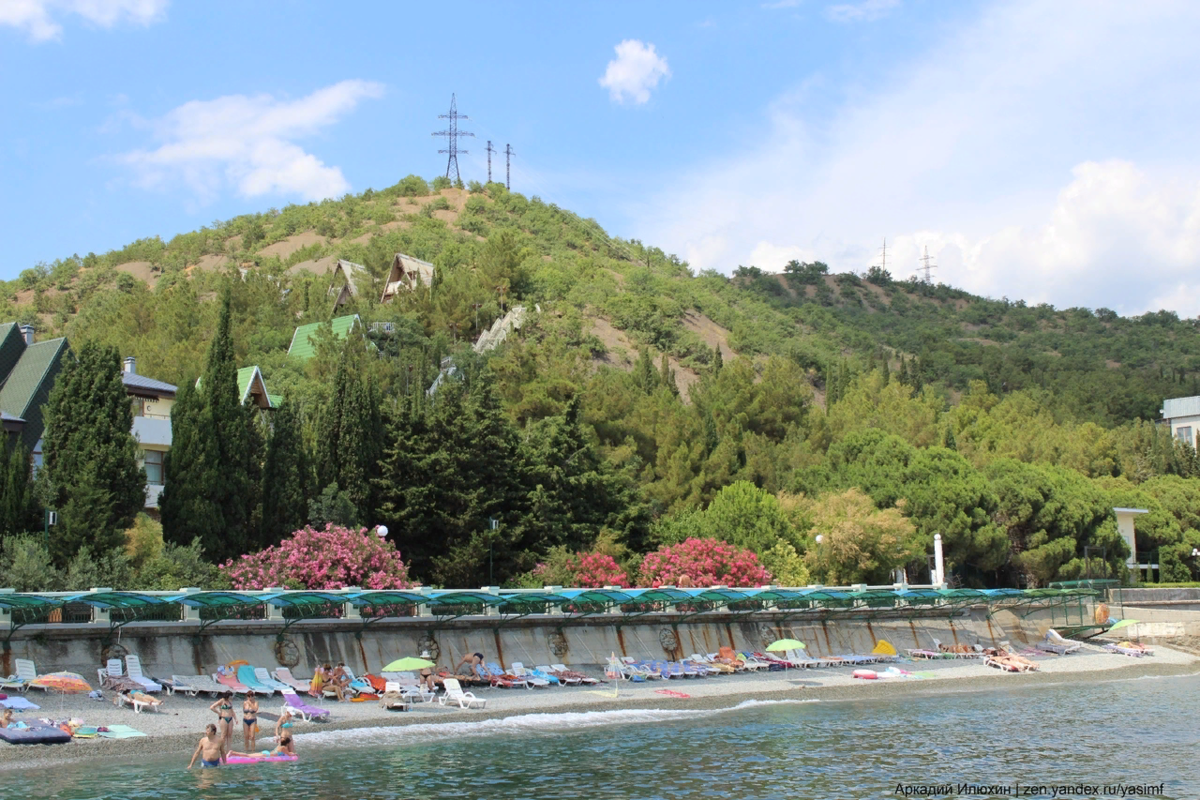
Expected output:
(181, 723)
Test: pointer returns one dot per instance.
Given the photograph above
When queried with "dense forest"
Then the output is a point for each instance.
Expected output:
(640, 404)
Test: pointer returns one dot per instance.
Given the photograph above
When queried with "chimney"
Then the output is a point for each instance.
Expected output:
(131, 366)
(27, 332)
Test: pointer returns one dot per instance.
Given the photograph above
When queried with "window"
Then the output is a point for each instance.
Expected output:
(154, 467)
(1184, 434)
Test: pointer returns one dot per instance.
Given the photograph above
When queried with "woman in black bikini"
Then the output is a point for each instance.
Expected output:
(225, 717)
(249, 720)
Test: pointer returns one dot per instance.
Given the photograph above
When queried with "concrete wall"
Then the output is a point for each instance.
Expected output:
(179, 649)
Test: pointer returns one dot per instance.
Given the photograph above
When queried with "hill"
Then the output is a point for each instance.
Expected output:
(688, 385)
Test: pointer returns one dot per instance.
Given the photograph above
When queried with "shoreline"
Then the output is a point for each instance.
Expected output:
(176, 731)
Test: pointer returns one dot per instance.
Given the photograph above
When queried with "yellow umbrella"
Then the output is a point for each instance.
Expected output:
(785, 644)
(1124, 623)
(407, 664)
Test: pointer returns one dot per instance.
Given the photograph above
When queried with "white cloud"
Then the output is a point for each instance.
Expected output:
(1039, 152)
(634, 72)
(865, 11)
(248, 142)
(40, 18)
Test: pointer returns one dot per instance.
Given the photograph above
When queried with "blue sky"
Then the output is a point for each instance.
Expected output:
(1039, 150)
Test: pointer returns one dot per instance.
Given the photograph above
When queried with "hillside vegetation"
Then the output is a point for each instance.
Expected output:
(758, 408)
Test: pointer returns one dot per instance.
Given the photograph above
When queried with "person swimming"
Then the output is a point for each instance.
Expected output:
(211, 750)
(286, 747)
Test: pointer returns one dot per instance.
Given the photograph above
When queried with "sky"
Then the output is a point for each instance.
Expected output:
(1039, 151)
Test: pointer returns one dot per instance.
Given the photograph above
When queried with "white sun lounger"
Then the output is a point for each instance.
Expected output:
(519, 670)
(409, 686)
(138, 705)
(266, 680)
(177, 684)
(26, 672)
(133, 668)
(1055, 643)
(455, 694)
(200, 683)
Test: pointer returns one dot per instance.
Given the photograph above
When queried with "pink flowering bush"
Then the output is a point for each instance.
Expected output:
(703, 562)
(333, 558)
(585, 570)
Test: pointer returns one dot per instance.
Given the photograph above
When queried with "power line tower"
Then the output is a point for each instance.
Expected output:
(927, 265)
(883, 255)
(490, 150)
(452, 133)
(508, 154)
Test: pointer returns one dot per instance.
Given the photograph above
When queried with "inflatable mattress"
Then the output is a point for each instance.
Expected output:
(35, 734)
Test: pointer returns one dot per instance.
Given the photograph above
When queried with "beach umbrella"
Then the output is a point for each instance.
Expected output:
(64, 682)
(1124, 623)
(785, 644)
(407, 664)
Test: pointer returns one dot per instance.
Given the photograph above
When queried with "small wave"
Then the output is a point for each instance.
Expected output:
(523, 724)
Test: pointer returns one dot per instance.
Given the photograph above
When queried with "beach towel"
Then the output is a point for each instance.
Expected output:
(671, 693)
(18, 704)
(119, 732)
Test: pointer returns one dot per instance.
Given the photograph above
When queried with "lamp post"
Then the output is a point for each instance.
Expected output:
(381, 531)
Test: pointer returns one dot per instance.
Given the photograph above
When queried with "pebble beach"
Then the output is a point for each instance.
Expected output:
(180, 723)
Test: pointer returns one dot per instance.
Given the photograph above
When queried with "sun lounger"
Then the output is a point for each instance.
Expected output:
(306, 712)
(753, 663)
(455, 694)
(133, 668)
(247, 678)
(1055, 643)
(177, 685)
(492, 673)
(1129, 649)
(138, 700)
(570, 675)
(519, 670)
(1010, 664)
(263, 677)
(201, 683)
(26, 672)
(231, 683)
(284, 675)
(391, 697)
(410, 686)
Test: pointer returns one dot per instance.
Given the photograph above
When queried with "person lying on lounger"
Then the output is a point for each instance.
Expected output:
(141, 697)
(285, 748)
(211, 749)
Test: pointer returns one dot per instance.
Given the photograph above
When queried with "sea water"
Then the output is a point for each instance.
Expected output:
(1124, 738)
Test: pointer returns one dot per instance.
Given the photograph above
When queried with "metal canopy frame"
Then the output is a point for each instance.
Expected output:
(132, 602)
(18, 605)
(221, 605)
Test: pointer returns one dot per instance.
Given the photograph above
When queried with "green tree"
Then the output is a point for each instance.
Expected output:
(19, 508)
(348, 450)
(287, 482)
(91, 456)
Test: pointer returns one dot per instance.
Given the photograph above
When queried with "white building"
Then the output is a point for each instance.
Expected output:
(1183, 415)
(152, 401)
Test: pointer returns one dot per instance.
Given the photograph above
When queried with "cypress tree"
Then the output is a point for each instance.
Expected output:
(666, 375)
(287, 484)
(887, 372)
(644, 374)
(213, 497)
(718, 361)
(348, 438)
(187, 513)
(91, 456)
(19, 510)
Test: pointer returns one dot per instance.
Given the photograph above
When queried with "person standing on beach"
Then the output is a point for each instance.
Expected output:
(249, 720)
(284, 723)
(473, 660)
(211, 750)
(225, 717)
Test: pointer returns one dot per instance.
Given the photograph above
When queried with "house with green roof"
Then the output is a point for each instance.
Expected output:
(27, 373)
(304, 340)
(253, 389)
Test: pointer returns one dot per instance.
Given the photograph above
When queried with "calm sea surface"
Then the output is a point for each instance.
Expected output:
(1113, 736)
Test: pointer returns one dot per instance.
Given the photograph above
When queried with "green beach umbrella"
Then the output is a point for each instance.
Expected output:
(785, 644)
(407, 664)
(1123, 623)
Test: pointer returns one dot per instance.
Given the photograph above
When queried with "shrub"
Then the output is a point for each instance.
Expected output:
(330, 558)
(586, 570)
(704, 562)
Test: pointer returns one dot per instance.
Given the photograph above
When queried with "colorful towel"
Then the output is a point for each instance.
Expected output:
(18, 704)
(671, 693)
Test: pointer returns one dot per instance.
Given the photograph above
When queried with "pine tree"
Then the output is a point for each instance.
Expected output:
(287, 485)
(666, 375)
(91, 456)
